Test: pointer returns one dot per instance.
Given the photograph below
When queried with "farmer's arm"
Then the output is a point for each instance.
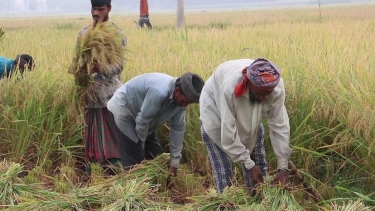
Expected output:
(151, 105)
(177, 125)
(278, 123)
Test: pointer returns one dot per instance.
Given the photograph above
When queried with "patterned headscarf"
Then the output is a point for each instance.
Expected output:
(262, 73)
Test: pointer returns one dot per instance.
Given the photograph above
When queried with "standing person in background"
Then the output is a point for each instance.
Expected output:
(146, 102)
(21, 63)
(101, 144)
(233, 104)
(143, 14)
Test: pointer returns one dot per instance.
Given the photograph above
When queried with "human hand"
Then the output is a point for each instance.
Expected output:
(177, 197)
(172, 171)
(281, 178)
(95, 68)
(256, 175)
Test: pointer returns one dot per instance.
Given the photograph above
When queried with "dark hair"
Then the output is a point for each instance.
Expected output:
(23, 59)
(29, 59)
(100, 3)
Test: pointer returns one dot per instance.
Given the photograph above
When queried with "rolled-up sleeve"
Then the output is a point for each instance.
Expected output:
(278, 123)
(177, 125)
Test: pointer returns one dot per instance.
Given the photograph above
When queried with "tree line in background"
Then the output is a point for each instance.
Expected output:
(70, 6)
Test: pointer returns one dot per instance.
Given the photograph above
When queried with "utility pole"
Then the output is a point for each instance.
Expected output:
(180, 14)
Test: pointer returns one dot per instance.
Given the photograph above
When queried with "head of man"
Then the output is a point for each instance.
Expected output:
(188, 89)
(24, 62)
(100, 10)
(264, 76)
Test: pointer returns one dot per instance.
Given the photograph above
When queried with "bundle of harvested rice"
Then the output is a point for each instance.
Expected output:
(11, 186)
(155, 170)
(230, 199)
(99, 51)
(269, 197)
(349, 206)
(277, 197)
(131, 195)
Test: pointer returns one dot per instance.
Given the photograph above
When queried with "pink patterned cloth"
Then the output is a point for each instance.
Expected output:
(100, 135)
(263, 74)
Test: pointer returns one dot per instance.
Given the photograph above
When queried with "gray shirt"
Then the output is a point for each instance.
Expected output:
(146, 102)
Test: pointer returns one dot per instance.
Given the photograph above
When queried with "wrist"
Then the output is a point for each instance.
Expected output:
(284, 170)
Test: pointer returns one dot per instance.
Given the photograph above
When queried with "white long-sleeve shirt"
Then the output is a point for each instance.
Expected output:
(232, 122)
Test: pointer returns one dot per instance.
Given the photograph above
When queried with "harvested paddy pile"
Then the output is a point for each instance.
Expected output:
(143, 188)
(269, 197)
(99, 51)
(11, 186)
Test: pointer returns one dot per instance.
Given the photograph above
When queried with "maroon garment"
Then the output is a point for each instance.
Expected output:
(143, 8)
(100, 135)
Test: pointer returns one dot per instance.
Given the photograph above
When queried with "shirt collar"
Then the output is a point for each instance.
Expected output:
(174, 86)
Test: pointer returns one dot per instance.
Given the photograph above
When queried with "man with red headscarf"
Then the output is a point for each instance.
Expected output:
(233, 103)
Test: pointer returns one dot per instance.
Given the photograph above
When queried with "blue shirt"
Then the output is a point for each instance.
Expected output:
(6, 66)
(146, 102)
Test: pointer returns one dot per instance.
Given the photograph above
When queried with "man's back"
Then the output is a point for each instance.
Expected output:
(144, 103)
(154, 88)
(6, 66)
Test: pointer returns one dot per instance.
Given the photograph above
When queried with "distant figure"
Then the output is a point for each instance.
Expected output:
(143, 17)
(22, 62)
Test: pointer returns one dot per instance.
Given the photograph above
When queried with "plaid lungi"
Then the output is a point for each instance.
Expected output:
(100, 135)
(222, 165)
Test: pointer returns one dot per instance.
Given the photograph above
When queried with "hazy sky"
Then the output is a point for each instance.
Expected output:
(11, 7)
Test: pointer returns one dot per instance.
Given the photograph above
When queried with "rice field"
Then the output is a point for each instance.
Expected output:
(327, 62)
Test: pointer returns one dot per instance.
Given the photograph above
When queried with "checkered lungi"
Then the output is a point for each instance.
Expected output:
(222, 165)
(100, 135)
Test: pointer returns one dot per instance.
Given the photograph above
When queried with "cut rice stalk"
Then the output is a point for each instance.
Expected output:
(11, 186)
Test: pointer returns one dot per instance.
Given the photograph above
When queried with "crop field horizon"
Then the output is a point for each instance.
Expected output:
(326, 56)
